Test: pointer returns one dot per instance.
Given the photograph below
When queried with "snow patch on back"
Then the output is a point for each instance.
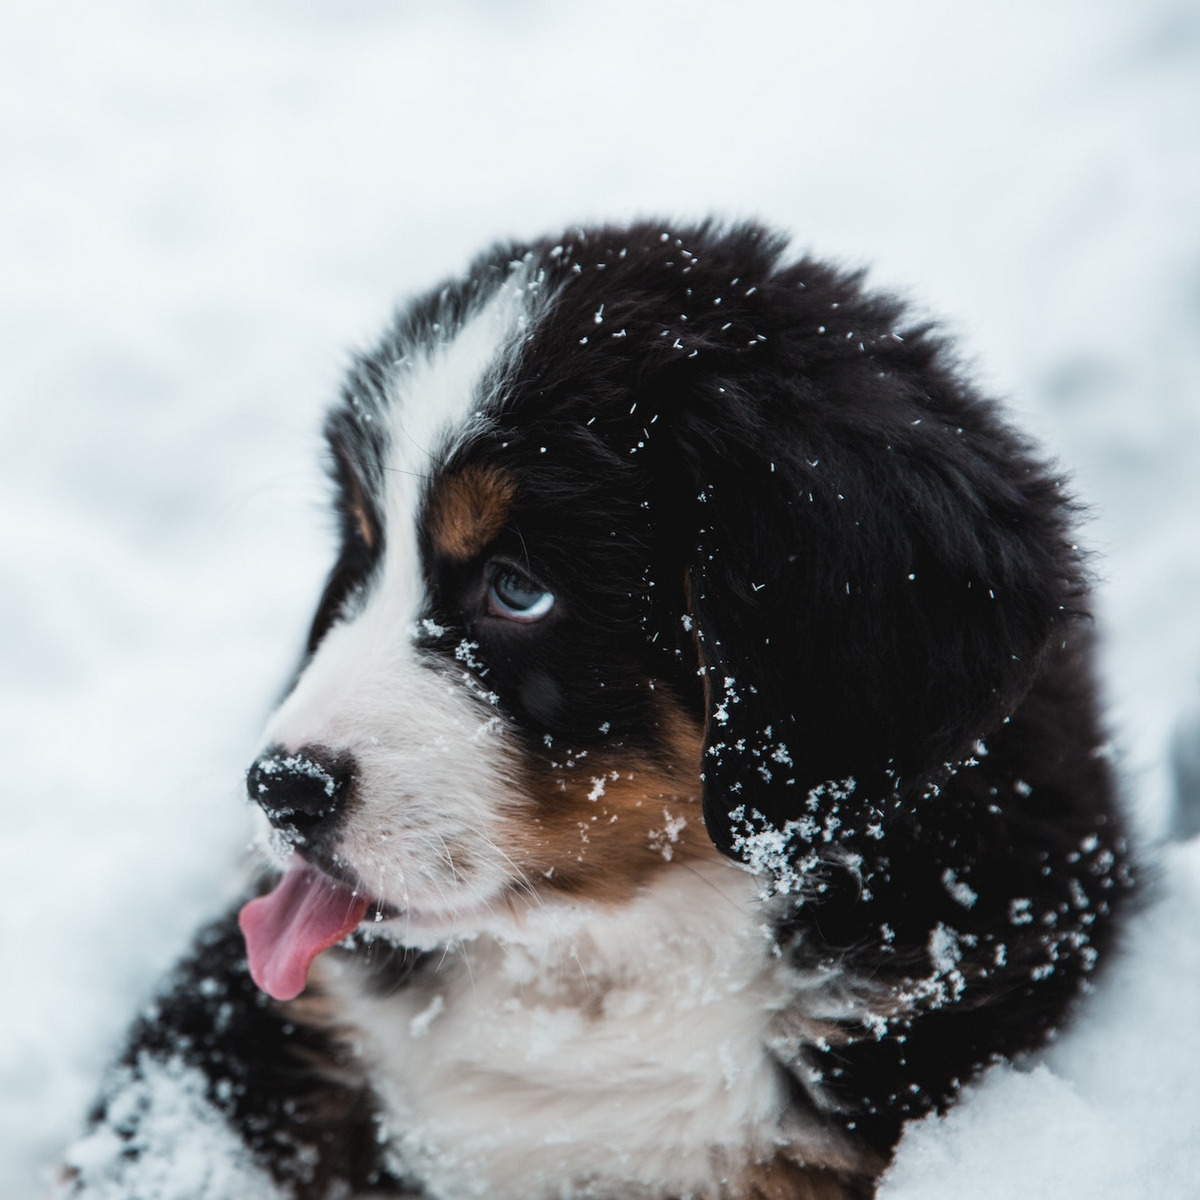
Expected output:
(163, 1139)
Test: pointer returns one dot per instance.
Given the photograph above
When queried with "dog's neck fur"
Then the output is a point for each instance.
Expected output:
(521, 1060)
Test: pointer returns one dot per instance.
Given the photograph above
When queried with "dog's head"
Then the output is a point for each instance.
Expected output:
(638, 526)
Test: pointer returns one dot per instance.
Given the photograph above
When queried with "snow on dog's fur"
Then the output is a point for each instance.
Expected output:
(694, 770)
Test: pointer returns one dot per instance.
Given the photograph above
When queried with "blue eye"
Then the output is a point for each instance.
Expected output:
(516, 597)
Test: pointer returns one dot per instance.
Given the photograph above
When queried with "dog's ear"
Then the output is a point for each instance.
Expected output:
(874, 574)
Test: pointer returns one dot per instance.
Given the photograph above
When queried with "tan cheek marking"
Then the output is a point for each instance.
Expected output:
(601, 828)
(468, 509)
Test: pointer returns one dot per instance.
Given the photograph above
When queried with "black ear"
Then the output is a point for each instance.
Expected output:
(878, 566)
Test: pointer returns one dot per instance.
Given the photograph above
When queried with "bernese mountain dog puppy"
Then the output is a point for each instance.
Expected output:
(693, 773)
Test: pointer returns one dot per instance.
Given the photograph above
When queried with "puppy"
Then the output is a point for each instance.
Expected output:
(693, 771)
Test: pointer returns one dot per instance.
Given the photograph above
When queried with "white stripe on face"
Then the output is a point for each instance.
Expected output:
(437, 401)
(435, 769)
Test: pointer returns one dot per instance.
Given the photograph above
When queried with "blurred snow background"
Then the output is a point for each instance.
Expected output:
(203, 207)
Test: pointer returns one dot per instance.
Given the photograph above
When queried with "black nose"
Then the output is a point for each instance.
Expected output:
(299, 790)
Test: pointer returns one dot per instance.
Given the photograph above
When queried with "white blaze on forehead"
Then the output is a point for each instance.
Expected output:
(438, 397)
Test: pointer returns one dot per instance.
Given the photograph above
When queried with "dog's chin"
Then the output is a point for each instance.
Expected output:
(319, 902)
(408, 906)
(425, 927)
(407, 916)
(428, 917)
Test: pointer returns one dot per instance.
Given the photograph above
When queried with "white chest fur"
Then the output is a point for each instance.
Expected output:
(586, 1050)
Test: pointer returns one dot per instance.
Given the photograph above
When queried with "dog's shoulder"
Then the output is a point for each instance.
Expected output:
(221, 1091)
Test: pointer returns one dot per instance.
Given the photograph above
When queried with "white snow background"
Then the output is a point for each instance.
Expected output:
(203, 206)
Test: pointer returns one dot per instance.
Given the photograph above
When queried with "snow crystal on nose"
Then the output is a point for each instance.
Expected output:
(296, 764)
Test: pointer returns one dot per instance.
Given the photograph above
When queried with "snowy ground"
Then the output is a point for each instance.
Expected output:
(201, 207)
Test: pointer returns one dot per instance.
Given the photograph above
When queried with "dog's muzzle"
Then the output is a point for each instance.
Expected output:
(303, 791)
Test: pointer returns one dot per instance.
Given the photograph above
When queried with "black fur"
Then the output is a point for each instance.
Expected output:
(760, 490)
(889, 616)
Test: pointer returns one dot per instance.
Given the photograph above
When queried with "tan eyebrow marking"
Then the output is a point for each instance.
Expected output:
(468, 509)
(358, 510)
(354, 495)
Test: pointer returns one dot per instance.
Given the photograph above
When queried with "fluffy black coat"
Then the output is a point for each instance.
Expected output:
(803, 523)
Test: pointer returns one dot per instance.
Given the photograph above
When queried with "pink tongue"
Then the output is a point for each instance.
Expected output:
(306, 913)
